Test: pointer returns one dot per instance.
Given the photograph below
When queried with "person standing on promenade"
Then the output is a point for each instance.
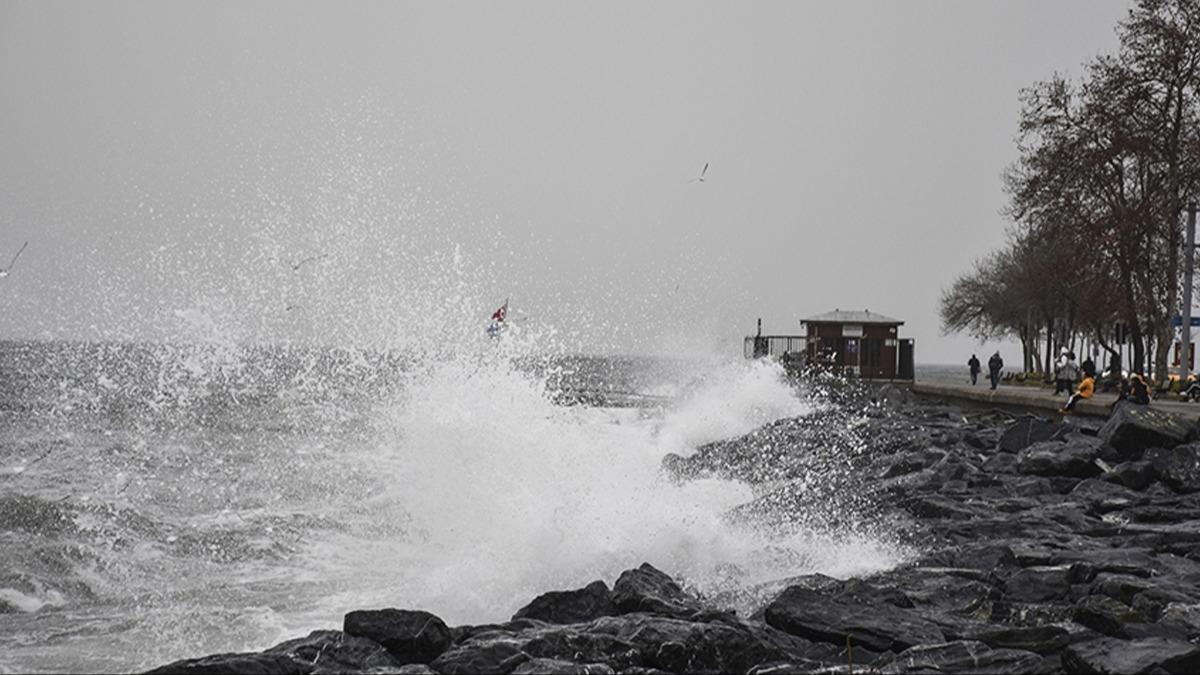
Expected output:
(994, 365)
(973, 364)
(1085, 390)
(1061, 383)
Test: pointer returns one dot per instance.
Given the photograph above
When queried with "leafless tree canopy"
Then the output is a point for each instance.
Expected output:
(1107, 167)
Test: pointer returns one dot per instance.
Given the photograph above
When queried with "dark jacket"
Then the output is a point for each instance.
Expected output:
(974, 364)
(995, 363)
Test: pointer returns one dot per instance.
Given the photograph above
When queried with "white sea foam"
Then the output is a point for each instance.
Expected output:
(496, 494)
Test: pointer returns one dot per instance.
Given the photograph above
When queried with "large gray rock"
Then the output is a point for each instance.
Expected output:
(412, 636)
(962, 656)
(1040, 639)
(1178, 467)
(679, 646)
(1026, 431)
(1074, 458)
(646, 589)
(1132, 429)
(250, 663)
(484, 655)
(823, 618)
(1147, 655)
(335, 651)
(579, 606)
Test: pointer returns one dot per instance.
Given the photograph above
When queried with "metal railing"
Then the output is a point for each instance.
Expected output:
(773, 345)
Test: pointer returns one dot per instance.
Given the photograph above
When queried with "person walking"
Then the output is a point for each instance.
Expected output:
(994, 365)
(973, 364)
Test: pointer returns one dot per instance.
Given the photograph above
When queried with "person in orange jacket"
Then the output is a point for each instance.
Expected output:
(1085, 390)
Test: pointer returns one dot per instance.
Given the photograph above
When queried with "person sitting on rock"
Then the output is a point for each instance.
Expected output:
(1139, 391)
(1192, 391)
(1086, 387)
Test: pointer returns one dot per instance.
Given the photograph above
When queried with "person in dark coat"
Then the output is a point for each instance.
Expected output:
(1139, 391)
(973, 364)
(994, 365)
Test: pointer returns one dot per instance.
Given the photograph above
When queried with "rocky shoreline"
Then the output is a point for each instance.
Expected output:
(1044, 546)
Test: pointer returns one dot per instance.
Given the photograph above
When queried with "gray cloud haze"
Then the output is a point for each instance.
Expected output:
(170, 163)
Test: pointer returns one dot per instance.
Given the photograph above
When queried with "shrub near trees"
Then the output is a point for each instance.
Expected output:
(1107, 167)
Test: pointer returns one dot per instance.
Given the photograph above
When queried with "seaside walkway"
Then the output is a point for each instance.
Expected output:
(1042, 400)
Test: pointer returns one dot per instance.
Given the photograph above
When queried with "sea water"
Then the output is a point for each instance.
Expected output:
(169, 500)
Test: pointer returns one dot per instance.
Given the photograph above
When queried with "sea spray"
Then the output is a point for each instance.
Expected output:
(497, 494)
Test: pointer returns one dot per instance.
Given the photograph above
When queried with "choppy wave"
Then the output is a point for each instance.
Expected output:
(204, 502)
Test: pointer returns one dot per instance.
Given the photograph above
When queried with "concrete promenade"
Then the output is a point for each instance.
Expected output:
(1042, 400)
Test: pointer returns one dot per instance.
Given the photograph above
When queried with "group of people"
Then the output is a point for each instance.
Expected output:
(1066, 372)
(995, 365)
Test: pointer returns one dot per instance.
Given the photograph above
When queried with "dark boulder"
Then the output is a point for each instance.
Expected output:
(646, 589)
(1132, 429)
(1038, 584)
(1150, 655)
(1075, 459)
(1040, 639)
(335, 651)
(251, 664)
(824, 618)
(1026, 431)
(1135, 475)
(412, 636)
(1104, 615)
(1100, 497)
(962, 656)
(586, 646)
(558, 666)
(1178, 467)
(675, 645)
(499, 655)
(579, 606)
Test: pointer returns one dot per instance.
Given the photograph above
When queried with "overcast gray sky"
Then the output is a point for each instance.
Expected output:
(169, 163)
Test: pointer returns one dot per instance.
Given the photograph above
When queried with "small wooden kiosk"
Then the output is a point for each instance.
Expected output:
(862, 342)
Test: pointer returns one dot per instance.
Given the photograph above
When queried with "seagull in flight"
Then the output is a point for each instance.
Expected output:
(296, 265)
(5, 270)
(701, 176)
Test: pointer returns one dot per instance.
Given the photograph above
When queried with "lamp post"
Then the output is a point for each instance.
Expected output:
(1185, 328)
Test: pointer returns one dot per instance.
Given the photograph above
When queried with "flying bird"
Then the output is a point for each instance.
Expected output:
(296, 265)
(701, 176)
(5, 270)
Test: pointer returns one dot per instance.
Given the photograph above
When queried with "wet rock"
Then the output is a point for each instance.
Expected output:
(1026, 431)
(962, 656)
(1057, 459)
(584, 646)
(1132, 429)
(557, 666)
(1178, 467)
(501, 655)
(1182, 615)
(1039, 639)
(1038, 584)
(250, 663)
(675, 645)
(335, 651)
(412, 636)
(822, 618)
(1100, 497)
(1104, 615)
(579, 606)
(647, 589)
(1135, 475)
(1109, 655)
